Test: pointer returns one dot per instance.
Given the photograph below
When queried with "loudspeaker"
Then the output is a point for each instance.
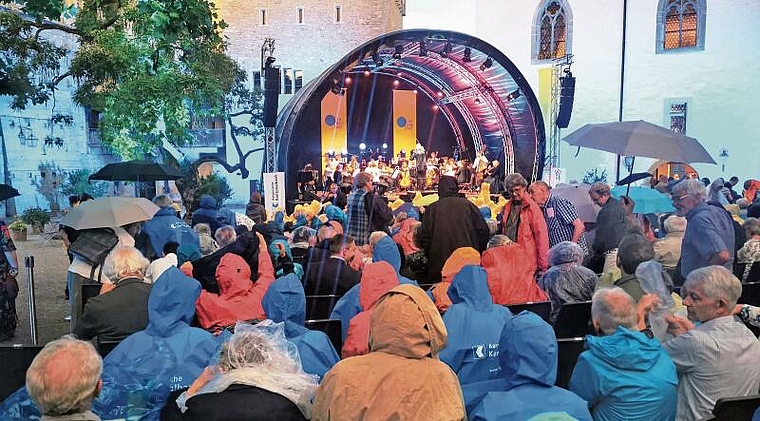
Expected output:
(567, 93)
(271, 95)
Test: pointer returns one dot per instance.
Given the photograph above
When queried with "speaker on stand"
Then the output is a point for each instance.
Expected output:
(271, 94)
(567, 93)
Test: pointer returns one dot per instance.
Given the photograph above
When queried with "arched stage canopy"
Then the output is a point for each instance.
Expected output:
(470, 95)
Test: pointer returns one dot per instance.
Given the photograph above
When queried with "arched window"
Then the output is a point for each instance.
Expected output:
(552, 30)
(681, 25)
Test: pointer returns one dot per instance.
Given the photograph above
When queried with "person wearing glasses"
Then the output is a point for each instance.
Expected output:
(709, 236)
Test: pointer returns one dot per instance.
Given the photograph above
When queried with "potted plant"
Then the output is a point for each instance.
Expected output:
(36, 217)
(18, 230)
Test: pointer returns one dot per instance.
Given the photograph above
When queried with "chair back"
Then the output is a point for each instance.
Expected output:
(105, 347)
(740, 408)
(89, 291)
(541, 308)
(568, 351)
(573, 320)
(332, 328)
(426, 287)
(750, 293)
(319, 307)
(16, 359)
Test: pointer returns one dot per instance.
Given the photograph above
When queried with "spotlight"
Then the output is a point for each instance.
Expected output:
(385, 146)
(467, 55)
(446, 50)
(399, 49)
(362, 146)
(440, 94)
(415, 92)
(423, 49)
(436, 107)
(513, 95)
(396, 82)
(486, 64)
(366, 73)
(347, 79)
(477, 100)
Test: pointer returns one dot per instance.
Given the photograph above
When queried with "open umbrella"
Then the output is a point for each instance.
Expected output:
(108, 212)
(646, 200)
(632, 178)
(6, 192)
(143, 171)
(577, 194)
(640, 138)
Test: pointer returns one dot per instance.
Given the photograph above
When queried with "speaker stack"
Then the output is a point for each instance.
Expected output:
(567, 93)
(271, 95)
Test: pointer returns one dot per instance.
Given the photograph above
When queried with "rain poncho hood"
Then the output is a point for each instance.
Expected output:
(510, 275)
(405, 236)
(165, 227)
(626, 376)
(474, 324)
(208, 202)
(448, 186)
(285, 302)
(400, 378)
(386, 250)
(461, 257)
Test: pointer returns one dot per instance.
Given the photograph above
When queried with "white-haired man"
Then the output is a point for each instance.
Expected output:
(623, 374)
(719, 358)
(709, 237)
(64, 378)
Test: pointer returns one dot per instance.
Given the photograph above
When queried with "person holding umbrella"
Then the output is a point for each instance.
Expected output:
(612, 224)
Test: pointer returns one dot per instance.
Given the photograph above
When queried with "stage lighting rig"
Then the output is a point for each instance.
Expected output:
(513, 95)
(423, 49)
(446, 50)
(467, 57)
(486, 64)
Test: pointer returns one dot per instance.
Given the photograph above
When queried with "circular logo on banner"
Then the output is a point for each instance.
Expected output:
(330, 120)
(401, 121)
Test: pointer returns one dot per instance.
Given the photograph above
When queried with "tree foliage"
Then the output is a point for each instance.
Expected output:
(49, 183)
(146, 65)
(594, 175)
(78, 182)
(192, 186)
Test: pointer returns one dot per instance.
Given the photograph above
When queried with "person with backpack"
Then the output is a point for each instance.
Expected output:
(165, 227)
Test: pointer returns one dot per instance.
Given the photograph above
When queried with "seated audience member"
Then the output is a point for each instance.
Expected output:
(239, 298)
(567, 281)
(633, 250)
(206, 213)
(64, 378)
(510, 273)
(206, 242)
(225, 235)
(749, 254)
(321, 249)
(250, 246)
(285, 303)
(623, 374)
(461, 257)
(401, 378)
(667, 250)
(302, 239)
(528, 357)
(168, 258)
(377, 279)
(720, 357)
(332, 275)
(473, 323)
(258, 377)
(123, 310)
(186, 255)
(165, 226)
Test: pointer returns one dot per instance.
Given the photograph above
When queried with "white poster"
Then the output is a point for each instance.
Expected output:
(274, 192)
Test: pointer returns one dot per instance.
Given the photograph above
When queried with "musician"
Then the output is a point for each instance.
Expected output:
(449, 167)
(491, 176)
(405, 178)
(421, 165)
(464, 172)
(309, 191)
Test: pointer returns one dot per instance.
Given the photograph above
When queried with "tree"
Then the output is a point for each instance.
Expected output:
(145, 65)
(594, 175)
(49, 183)
(78, 183)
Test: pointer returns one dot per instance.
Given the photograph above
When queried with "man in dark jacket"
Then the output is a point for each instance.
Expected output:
(207, 213)
(165, 227)
(255, 210)
(448, 224)
(611, 225)
(332, 274)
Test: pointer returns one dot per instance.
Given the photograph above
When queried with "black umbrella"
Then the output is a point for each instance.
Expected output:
(633, 178)
(142, 171)
(6, 192)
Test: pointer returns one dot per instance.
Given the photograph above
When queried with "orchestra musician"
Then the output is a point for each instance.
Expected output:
(421, 166)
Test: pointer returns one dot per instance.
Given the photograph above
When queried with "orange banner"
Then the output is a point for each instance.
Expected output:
(334, 127)
(404, 121)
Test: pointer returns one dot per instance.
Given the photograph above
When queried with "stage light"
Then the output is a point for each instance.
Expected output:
(347, 79)
(385, 146)
(467, 55)
(513, 95)
(399, 49)
(477, 100)
(423, 49)
(415, 92)
(362, 146)
(486, 64)
(440, 94)
(366, 73)
(436, 107)
(396, 82)
(446, 50)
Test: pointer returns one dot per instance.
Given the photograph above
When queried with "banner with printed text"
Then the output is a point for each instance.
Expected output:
(274, 192)
(334, 128)
(404, 121)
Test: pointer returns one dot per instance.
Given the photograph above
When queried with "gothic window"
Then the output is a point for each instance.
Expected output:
(552, 30)
(681, 25)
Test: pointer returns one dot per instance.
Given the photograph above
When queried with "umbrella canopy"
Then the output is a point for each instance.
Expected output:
(632, 178)
(640, 138)
(577, 194)
(109, 212)
(143, 171)
(647, 200)
(6, 192)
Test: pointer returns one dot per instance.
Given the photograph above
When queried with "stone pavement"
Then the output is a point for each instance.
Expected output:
(51, 264)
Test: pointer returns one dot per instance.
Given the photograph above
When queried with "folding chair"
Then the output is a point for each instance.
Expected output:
(16, 359)
(541, 308)
(319, 307)
(49, 232)
(568, 351)
(750, 294)
(740, 408)
(573, 320)
(330, 327)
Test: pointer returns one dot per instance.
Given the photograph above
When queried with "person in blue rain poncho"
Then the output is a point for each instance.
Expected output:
(285, 302)
(144, 368)
(348, 305)
(528, 361)
(474, 324)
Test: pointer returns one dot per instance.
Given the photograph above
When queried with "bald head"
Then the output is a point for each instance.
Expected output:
(613, 307)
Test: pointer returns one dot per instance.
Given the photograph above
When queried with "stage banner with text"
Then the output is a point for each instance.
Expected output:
(404, 121)
(274, 192)
(334, 127)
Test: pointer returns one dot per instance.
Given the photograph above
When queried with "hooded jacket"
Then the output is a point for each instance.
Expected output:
(285, 302)
(448, 224)
(207, 213)
(401, 378)
(348, 305)
(474, 324)
(532, 233)
(238, 298)
(528, 361)
(460, 258)
(377, 279)
(510, 275)
(626, 376)
(165, 227)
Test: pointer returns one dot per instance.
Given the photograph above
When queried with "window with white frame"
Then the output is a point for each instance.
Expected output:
(552, 30)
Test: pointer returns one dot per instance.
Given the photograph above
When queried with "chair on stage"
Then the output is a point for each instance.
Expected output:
(16, 359)
(541, 308)
(331, 328)
(568, 351)
(740, 408)
(320, 306)
(574, 320)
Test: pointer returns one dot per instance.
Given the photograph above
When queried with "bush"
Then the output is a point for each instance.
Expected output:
(214, 185)
(36, 217)
(78, 183)
(17, 225)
